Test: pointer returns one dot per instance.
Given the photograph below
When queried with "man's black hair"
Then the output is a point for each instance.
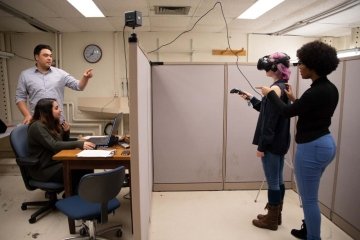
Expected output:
(40, 47)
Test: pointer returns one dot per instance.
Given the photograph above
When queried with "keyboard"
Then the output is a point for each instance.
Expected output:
(100, 141)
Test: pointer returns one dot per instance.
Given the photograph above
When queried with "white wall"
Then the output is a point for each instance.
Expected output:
(110, 72)
(22, 45)
(260, 45)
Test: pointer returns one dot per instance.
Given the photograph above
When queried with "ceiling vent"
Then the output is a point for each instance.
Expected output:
(171, 10)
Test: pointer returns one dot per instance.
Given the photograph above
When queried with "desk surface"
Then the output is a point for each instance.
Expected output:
(70, 155)
(71, 161)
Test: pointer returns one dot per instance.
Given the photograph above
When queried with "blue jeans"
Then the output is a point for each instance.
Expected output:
(311, 159)
(273, 166)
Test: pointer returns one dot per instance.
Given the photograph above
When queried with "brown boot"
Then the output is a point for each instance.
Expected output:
(270, 220)
(260, 216)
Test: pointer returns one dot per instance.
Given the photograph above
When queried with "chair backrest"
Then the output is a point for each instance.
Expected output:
(101, 187)
(19, 141)
(19, 144)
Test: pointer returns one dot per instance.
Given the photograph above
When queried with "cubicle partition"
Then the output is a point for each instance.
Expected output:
(345, 207)
(141, 146)
(188, 109)
(327, 190)
(202, 134)
(243, 168)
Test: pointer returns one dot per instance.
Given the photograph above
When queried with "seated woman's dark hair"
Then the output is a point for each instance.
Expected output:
(318, 56)
(44, 113)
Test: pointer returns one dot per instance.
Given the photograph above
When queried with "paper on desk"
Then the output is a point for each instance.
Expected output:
(96, 153)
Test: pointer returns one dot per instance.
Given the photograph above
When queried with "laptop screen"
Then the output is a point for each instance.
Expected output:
(115, 125)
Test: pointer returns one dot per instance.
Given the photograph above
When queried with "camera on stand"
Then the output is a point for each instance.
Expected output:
(133, 19)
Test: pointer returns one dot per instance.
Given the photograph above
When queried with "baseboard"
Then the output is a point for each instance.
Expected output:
(325, 210)
(8, 167)
(249, 186)
(158, 187)
(161, 187)
(346, 226)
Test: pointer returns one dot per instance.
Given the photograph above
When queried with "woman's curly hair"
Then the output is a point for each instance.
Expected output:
(318, 56)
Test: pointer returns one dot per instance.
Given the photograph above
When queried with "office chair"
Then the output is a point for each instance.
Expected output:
(18, 141)
(95, 200)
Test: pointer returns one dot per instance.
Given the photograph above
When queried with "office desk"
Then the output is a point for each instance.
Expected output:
(71, 161)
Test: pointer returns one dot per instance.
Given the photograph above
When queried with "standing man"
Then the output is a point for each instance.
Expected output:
(45, 81)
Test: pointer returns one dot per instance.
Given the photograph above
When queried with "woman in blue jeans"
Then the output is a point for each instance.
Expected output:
(272, 137)
(315, 145)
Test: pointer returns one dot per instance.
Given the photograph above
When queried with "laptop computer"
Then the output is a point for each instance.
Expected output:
(111, 139)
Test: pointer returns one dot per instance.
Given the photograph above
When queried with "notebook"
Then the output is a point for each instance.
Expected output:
(111, 139)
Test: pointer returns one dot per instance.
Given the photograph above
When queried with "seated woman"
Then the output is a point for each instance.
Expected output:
(46, 137)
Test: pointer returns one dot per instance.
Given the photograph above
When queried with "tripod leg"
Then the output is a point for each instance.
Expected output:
(291, 166)
(261, 186)
(297, 190)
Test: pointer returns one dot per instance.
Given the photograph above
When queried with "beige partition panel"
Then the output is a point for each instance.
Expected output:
(327, 183)
(347, 196)
(242, 165)
(140, 130)
(202, 134)
(188, 105)
(326, 190)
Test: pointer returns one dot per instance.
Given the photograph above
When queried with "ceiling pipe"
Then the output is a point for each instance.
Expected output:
(6, 54)
(30, 20)
(330, 12)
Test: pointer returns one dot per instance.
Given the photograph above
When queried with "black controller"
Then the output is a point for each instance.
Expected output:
(238, 91)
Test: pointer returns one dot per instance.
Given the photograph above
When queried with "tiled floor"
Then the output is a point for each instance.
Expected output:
(220, 215)
(210, 215)
(14, 222)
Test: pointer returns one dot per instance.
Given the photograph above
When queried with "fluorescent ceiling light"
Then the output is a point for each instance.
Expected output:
(87, 8)
(259, 8)
(348, 53)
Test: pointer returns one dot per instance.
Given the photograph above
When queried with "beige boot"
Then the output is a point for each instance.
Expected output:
(260, 216)
(270, 220)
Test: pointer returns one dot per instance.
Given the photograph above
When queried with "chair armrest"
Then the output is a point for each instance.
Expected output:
(27, 161)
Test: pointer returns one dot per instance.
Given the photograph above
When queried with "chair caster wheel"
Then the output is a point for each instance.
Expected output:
(23, 207)
(32, 220)
(119, 233)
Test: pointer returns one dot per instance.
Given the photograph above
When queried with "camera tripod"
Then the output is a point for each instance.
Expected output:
(291, 166)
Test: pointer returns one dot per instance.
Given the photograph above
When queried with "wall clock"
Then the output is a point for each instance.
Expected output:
(92, 53)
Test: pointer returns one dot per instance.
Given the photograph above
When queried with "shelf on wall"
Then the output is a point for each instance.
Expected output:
(104, 104)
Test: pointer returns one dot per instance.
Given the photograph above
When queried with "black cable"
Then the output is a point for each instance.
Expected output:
(126, 73)
(227, 37)
(186, 30)
(102, 108)
(237, 57)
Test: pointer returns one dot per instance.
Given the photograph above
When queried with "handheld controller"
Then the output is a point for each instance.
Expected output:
(238, 91)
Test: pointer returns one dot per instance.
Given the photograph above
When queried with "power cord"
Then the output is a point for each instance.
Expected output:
(227, 37)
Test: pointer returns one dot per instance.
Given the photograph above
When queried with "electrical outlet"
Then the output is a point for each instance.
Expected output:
(116, 94)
